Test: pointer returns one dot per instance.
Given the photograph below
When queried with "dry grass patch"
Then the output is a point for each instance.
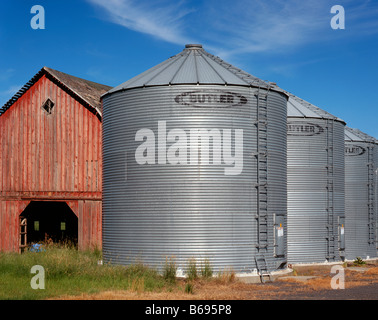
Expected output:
(226, 286)
(323, 283)
(372, 271)
(125, 295)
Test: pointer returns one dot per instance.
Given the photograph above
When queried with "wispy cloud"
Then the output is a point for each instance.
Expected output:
(162, 18)
(271, 27)
(362, 17)
(258, 26)
(237, 27)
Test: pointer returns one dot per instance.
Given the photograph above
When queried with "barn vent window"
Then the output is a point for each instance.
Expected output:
(48, 105)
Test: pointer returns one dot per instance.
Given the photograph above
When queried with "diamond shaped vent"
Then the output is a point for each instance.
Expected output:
(48, 106)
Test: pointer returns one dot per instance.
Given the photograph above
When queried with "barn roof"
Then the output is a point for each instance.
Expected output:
(86, 92)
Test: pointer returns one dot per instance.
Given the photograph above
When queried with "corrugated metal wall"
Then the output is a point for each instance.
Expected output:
(50, 156)
(157, 209)
(360, 230)
(309, 198)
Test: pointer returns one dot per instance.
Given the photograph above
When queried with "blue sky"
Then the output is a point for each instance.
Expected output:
(289, 42)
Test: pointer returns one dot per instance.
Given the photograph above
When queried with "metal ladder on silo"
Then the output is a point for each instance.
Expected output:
(371, 196)
(262, 165)
(262, 171)
(331, 244)
(262, 268)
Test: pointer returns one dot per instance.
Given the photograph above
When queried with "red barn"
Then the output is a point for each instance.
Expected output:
(51, 163)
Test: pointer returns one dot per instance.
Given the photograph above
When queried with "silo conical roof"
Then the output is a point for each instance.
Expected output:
(352, 134)
(194, 65)
(297, 107)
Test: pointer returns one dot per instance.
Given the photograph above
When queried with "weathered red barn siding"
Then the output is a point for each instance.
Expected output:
(50, 157)
(9, 223)
(89, 213)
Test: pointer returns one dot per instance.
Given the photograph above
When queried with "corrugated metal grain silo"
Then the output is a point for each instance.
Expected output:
(195, 166)
(361, 165)
(315, 180)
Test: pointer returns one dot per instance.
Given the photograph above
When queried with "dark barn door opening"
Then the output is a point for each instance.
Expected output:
(50, 221)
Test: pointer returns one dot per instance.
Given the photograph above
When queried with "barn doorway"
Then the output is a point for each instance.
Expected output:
(50, 221)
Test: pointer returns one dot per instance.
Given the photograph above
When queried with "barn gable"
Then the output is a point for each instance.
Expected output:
(88, 93)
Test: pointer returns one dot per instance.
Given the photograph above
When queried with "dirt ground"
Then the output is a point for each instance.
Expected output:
(305, 283)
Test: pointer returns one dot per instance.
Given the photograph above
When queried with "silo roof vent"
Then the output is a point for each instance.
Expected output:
(193, 46)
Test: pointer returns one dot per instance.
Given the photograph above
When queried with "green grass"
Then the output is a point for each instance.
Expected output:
(71, 272)
(359, 262)
(192, 273)
(206, 269)
(169, 270)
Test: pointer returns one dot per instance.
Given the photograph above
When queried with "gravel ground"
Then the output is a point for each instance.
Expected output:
(368, 291)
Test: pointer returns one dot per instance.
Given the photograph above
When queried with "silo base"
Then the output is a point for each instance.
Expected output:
(254, 277)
